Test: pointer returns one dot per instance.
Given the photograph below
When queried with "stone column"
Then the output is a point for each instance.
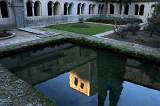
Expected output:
(52, 9)
(0, 13)
(33, 9)
(67, 8)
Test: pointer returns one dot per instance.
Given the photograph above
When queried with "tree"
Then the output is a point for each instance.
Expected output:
(154, 21)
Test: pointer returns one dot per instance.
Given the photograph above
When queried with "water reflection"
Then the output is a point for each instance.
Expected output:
(77, 76)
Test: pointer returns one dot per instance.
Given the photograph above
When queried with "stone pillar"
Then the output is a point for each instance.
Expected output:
(19, 13)
(80, 9)
(33, 9)
(0, 13)
(52, 9)
(67, 9)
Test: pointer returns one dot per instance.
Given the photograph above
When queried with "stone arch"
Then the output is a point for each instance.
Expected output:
(83, 8)
(66, 8)
(102, 7)
(141, 11)
(50, 8)
(4, 9)
(37, 8)
(29, 8)
(57, 8)
(90, 9)
(152, 9)
(126, 9)
(136, 9)
(99, 9)
(79, 9)
(111, 9)
(120, 9)
(93, 9)
(70, 8)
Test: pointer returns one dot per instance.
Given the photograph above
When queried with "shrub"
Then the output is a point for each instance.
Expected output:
(81, 20)
(112, 20)
(154, 21)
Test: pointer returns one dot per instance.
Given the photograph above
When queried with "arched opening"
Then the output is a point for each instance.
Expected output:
(57, 8)
(66, 8)
(29, 9)
(102, 7)
(50, 8)
(94, 9)
(79, 9)
(4, 9)
(152, 9)
(126, 9)
(90, 8)
(136, 9)
(111, 9)
(120, 9)
(70, 7)
(83, 8)
(99, 9)
(37, 8)
(141, 12)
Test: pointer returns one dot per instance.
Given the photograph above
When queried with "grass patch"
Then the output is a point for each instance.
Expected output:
(83, 28)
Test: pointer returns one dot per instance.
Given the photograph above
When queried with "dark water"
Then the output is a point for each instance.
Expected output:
(78, 76)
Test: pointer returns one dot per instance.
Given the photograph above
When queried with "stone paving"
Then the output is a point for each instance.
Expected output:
(21, 36)
(16, 92)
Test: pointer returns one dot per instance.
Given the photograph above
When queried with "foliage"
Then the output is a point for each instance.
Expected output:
(81, 20)
(112, 20)
(154, 21)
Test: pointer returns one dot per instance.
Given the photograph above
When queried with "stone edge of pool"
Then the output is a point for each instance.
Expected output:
(16, 92)
(127, 48)
(130, 49)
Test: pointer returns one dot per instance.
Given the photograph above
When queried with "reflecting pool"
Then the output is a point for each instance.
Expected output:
(77, 76)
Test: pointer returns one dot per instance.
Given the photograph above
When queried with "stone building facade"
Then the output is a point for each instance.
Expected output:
(23, 13)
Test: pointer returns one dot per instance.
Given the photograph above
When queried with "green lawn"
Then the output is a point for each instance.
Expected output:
(82, 28)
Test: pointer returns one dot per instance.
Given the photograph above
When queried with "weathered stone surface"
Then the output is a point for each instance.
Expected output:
(16, 92)
(31, 40)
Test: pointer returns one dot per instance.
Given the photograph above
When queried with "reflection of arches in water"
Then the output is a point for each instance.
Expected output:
(84, 78)
(110, 80)
(4, 9)
(37, 8)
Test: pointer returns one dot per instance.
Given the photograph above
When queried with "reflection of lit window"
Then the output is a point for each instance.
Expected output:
(82, 85)
(76, 81)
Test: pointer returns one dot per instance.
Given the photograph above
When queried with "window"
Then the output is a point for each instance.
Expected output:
(82, 85)
(76, 81)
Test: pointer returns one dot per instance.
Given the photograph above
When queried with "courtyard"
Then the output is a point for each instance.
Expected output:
(83, 28)
(79, 53)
